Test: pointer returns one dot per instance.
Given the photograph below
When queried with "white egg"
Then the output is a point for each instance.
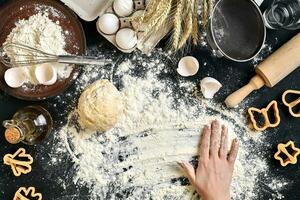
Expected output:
(209, 87)
(188, 66)
(15, 77)
(108, 23)
(123, 8)
(45, 74)
(126, 38)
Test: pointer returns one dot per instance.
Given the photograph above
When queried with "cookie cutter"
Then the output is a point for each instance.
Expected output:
(27, 194)
(291, 157)
(292, 104)
(264, 111)
(19, 166)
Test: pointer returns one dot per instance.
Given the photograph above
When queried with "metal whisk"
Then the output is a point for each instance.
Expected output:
(18, 55)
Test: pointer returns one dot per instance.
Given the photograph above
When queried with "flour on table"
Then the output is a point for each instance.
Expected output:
(39, 32)
(161, 125)
(267, 49)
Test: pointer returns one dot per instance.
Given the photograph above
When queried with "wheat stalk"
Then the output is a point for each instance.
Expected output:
(188, 25)
(151, 9)
(159, 17)
(195, 32)
(182, 15)
(210, 7)
(164, 16)
(177, 23)
(204, 12)
(188, 30)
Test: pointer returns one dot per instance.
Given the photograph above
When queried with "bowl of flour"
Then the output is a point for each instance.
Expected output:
(46, 25)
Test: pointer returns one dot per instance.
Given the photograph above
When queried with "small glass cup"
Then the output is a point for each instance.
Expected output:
(283, 14)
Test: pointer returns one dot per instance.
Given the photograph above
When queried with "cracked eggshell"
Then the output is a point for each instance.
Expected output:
(108, 23)
(45, 74)
(126, 38)
(209, 87)
(188, 66)
(15, 77)
(123, 8)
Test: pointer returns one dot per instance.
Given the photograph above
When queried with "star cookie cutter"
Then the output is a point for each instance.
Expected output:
(27, 194)
(17, 163)
(291, 157)
(292, 104)
(264, 111)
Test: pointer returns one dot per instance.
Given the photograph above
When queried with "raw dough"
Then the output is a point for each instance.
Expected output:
(100, 106)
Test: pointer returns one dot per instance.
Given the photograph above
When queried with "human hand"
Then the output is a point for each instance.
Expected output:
(213, 176)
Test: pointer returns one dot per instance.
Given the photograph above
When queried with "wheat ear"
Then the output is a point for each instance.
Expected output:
(150, 9)
(177, 23)
(159, 17)
(187, 28)
(204, 13)
(164, 16)
(195, 32)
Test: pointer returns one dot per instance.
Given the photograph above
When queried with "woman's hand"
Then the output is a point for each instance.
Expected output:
(213, 176)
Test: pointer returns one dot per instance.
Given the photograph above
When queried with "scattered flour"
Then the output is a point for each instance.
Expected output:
(161, 125)
(40, 32)
(267, 49)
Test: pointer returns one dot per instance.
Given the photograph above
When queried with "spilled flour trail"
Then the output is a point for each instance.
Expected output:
(161, 125)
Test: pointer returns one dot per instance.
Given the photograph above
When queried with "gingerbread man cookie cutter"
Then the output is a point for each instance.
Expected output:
(17, 163)
(27, 194)
(291, 157)
(293, 104)
(264, 112)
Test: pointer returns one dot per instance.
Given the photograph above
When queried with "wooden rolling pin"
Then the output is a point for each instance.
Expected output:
(272, 70)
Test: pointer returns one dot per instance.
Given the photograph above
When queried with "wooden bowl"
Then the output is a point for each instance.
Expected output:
(75, 43)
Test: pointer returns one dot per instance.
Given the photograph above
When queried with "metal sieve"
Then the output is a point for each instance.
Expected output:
(236, 29)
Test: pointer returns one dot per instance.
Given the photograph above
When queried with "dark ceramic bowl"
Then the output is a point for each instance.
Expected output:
(75, 43)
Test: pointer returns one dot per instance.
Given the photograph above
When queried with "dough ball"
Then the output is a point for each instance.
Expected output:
(100, 106)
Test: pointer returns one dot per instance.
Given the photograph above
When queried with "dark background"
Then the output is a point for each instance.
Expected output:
(219, 68)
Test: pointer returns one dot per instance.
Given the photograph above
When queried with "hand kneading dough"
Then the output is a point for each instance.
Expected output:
(100, 106)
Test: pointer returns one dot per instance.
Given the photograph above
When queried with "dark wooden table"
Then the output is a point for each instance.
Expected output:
(289, 128)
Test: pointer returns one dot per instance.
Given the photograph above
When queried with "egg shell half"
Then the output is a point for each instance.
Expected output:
(188, 66)
(15, 77)
(45, 74)
(209, 87)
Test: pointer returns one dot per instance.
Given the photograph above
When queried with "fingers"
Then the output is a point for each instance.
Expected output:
(214, 138)
(189, 170)
(233, 151)
(223, 143)
(204, 143)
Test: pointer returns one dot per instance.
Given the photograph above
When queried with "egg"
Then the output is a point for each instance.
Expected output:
(123, 8)
(45, 74)
(188, 66)
(209, 87)
(126, 38)
(15, 77)
(108, 23)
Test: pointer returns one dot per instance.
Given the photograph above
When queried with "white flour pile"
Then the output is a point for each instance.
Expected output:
(160, 126)
(40, 32)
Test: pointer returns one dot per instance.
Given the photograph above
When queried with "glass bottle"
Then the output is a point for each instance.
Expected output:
(283, 14)
(29, 125)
